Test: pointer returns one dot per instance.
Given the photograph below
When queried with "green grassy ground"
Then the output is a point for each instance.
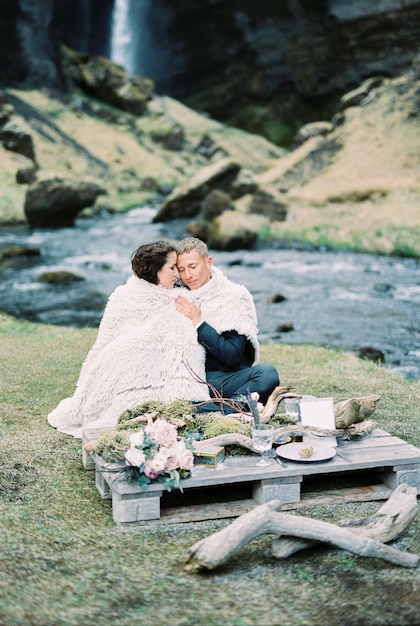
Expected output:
(64, 562)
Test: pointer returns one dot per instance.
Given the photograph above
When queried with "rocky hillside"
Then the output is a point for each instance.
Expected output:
(267, 67)
(352, 182)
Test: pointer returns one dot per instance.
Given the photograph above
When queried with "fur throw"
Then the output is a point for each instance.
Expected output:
(228, 306)
(145, 350)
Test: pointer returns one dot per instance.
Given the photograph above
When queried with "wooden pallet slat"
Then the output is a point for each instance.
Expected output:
(379, 454)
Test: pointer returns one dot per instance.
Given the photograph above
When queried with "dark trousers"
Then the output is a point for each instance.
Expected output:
(262, 378)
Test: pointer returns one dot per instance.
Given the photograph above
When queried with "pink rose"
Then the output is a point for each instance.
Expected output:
(184, 457)
(186, 460)
(151, 472)
(162, 433)
(171, 463)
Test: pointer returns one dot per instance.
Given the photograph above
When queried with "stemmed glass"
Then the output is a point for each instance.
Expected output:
(262, 440)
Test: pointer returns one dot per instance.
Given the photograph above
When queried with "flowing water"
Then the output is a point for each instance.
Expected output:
(339, 299)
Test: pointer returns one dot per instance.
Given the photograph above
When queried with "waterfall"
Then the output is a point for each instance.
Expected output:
(122, 35)
(139, 39)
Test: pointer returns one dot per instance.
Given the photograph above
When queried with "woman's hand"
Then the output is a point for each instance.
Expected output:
(189, 309)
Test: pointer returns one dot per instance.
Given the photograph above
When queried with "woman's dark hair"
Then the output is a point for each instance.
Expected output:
(149, 258)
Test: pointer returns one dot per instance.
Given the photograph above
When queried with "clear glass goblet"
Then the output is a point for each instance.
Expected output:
(262, 440)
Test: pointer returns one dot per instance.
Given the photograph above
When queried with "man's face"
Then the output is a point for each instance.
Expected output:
(194, 270)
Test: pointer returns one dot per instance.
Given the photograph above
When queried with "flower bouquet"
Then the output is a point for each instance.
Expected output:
(156, 455)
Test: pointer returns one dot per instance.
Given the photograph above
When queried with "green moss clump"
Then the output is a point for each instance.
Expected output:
(223, 425)
(203, 420)
(146, 407)
(177, 410)
(282, 420)
(112, 445)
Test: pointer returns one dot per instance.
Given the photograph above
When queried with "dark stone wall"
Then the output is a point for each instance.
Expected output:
(84, 25)
(288, 58)
(259, 50)
(26, 51)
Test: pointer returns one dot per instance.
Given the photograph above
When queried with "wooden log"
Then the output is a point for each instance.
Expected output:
(385, 525)
(213, 551)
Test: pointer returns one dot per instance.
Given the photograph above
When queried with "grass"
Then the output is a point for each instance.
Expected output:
(64, 562)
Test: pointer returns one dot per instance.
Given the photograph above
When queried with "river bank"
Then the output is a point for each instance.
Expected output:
(356, 188)
(303, 294)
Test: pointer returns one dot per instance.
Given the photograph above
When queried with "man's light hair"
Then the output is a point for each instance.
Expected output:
(192, 243)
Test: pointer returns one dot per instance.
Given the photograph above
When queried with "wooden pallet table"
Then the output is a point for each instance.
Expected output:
(366, 469)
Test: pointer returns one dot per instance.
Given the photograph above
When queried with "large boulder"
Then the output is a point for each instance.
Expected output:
(234, 230)
(108, 81)
(55, 202)
(186, 200)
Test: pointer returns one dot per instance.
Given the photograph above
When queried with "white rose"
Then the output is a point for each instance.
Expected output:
(136, 439)
(134, 456)
(159, 460)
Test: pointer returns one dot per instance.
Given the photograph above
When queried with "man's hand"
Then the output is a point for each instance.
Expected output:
(189, 309)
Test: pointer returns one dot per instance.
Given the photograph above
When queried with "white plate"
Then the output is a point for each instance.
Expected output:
(291, 451)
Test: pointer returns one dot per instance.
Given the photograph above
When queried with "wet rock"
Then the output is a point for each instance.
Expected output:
(383, 287)
(149, 184)
(55, 202)
(235, 231)
(10, 251)
(26, 175)
(215, 203)
(15, 137)
(92, 301)
(175, 139)
(6, 111)
(59, 277)
(371, 354)
(275, 298)
(245, 183)
(207, 147)
(286, 327)
(164, 131)
(199, 228)
(268, 203)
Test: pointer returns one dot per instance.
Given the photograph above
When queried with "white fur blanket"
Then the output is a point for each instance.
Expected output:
(145, 350)
(228, 306)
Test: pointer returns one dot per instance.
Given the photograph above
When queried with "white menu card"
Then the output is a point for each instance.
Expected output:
(318, 412)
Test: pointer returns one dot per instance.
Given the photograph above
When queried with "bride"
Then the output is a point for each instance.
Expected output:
(145, 349)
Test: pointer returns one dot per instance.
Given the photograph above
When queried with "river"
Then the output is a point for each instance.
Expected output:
(340, 299)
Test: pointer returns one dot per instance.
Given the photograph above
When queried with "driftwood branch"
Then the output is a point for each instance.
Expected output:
(237, 439)
(213, 551)
(354, 410)
(271, 406)
(346, 413)
(385, 525)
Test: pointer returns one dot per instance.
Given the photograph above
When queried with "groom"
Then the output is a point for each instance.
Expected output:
(224, 315)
